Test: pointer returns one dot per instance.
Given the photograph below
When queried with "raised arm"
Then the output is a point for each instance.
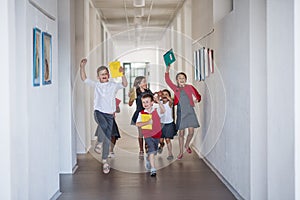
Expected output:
(161, 106)
(82, 69)
(124, 79)
(168, 80)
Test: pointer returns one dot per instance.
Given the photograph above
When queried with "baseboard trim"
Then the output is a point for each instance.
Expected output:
(74, 169)
(219, 175)
(56, 195)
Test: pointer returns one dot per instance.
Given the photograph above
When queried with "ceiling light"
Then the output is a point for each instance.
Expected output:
(138, 3)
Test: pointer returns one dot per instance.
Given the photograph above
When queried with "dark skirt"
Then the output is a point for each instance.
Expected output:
(168, 130)
(115, 130)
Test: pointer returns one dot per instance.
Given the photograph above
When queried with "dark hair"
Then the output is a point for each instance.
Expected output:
(166, 90)
(181, 73)
(148, 95)
(102, 68)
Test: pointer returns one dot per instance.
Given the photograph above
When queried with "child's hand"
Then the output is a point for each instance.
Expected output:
(196, 101)
(156, 98)
(149, 122)
(168, 68)
(121, 69)
(83, 63)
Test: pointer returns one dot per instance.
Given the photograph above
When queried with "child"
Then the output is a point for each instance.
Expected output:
(186, 116)
(153, 134)
(104, 105)
(168, 125)
(141, 85)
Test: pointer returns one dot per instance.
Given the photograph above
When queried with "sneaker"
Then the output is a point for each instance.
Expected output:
(98, 148)
(106, 168)
(159, 150)
(153, 172)
(111, 155)
(171, 157)
(147, 164)
(141, 155)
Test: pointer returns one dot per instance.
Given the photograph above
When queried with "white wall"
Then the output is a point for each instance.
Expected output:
(6, 53)
(280, 81)
(258, 100)
(297, 98)
(66, 51)
(230, 155)
(34, 116)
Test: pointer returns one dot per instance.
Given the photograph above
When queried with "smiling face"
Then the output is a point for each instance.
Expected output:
(103, 75)
(143, 84)
(147, 103)
(181, 80)
(165, 94)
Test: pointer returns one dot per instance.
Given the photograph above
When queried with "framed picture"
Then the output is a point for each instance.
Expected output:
(36, 57)
(46, 58)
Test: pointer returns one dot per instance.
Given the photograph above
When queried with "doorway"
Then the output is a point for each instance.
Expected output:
(132, 70)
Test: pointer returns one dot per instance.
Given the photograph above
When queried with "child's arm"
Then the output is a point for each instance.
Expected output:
(140, 124)
(124, 79)
(197, 95)
(161, 107)
(170, 101)
(168, 80)
(82, 69)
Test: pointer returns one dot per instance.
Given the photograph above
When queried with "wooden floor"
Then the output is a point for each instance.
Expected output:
(186, 179)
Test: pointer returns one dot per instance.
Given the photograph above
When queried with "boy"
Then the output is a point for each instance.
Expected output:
(104, 105)
(152, 134)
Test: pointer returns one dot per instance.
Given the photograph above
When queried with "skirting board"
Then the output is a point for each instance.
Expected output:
(224, 181)
(56, 195)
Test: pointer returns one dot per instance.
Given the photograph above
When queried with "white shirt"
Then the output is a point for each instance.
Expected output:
(168, 116)
(105, 95)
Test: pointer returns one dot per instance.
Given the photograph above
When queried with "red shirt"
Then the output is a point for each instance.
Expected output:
(155, 132)
(189, 90)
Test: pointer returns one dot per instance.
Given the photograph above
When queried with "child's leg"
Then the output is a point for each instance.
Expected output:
(169, 145)
(189, 137)
(161, 145)
(152, 160)
(161, 142)
(181, 141)
(108, 123)
(141, 140)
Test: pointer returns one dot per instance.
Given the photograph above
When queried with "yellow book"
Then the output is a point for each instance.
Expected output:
(145, 118)
(132, 94)
(114, 68)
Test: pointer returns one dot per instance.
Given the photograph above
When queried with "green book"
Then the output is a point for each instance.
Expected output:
(169, 57)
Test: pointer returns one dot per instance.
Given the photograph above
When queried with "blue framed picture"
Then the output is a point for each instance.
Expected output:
(46, 58)
(36, 57)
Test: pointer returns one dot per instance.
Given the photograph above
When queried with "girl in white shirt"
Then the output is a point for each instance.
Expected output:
(168, 125)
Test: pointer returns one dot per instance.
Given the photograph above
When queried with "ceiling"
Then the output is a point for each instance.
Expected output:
(144, 21)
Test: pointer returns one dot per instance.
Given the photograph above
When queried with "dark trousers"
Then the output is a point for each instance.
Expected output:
(104, 130)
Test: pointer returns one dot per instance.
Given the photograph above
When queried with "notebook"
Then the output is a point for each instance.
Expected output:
(132, 94)
(114, 68)
(169, 57)
(146, 117)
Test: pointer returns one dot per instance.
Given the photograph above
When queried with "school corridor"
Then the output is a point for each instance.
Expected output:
(242, 56)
